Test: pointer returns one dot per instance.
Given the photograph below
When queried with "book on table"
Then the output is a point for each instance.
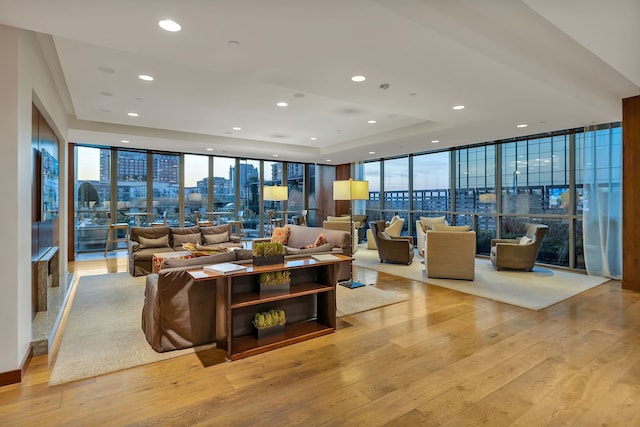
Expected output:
(324, 257)
(224, 268)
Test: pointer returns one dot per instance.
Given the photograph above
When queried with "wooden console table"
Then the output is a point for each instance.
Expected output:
(309, 305)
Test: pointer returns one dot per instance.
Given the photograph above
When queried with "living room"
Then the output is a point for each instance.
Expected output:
(44, 66)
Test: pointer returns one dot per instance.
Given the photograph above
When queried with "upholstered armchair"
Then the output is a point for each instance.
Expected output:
(451, 254)
(392, 249)
(518, 253)
(423, 225)
(393, 229)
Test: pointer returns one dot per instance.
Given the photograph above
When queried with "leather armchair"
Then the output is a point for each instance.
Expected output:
(392, 249)
(394, 229)
(518, 254)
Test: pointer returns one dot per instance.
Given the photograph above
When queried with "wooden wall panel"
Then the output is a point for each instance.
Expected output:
(342, 172)
(631, 193)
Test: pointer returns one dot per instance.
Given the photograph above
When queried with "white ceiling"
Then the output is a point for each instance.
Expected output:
(550, 64)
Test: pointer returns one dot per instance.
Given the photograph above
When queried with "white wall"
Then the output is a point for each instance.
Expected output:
(23, 74)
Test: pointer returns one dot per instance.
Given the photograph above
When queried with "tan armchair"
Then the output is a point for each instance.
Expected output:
(393, 229)
(451, 254)
(397, 250)
(425, 224)
(518, 253)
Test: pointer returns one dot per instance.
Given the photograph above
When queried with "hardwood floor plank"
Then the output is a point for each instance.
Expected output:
(442, 357)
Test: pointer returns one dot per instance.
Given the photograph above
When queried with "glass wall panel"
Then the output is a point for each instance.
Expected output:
(371, 173)
(249, 194)
(224, 186)
(431, 186)
(131, 186)
(295, 182)
(196, 188)
(396, 187)
(92, 199)
(165, 170)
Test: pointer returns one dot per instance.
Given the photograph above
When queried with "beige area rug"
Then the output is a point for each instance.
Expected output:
(356, 300)
(104, 334)
(104, 330)
(533, 290)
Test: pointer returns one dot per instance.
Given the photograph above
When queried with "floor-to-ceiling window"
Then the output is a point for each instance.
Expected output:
(166, 190)
(431, 186)
(131, 173)
(196, 187)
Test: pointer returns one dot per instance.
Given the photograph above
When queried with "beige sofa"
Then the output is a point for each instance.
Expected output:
(300, 236)
(145, 241)
(450, 254)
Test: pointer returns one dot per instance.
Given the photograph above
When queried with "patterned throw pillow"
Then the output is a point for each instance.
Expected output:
(280, 235)
(320, 240)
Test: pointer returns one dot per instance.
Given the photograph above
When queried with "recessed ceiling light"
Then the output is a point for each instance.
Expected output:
(275, 155)
(522, 125)
(145, 77)
(313, 138)
(435, 141)
(126, 141)
(236, 128)
(282, 104)
(233, 43)
(209, 149)
(328, 160)
(371, 122)
(459, 107)
(358, 78)
(107, 70)
(133, 114)
(372, 152)
(169, 25)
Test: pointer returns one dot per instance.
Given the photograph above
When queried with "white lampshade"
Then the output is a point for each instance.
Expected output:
(350, 190)
(275, 192)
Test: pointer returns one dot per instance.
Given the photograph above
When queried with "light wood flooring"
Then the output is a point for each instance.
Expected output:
(441, 358)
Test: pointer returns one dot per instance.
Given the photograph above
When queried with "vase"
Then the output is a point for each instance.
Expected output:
(268, 260)
(267, 332)
(280, 287)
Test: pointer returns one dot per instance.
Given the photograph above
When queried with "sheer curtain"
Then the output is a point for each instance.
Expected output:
(602, 201)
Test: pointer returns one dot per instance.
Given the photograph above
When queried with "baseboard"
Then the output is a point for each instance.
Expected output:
(13, 377)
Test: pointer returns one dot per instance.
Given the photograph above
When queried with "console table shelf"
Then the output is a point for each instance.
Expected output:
(253, 298)
(309, 305)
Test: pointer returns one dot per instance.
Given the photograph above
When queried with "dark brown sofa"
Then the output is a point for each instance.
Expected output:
(145, 241)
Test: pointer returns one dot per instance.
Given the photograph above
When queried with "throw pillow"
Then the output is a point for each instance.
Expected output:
(525, 240)
(320, 240)
(439, 227)
(427, 222)
(201, 260)
(160, 242)
(280, 235)
(179, 239)
(212, 239)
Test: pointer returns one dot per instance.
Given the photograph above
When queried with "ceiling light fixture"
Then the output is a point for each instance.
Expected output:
(125, 141)
(435, 141)
(328, 160)
(275, 155)
(236, 128)
(371, 122)
(282, 104)
(372, 152)
(209, 149)
(522, 125)
(313, 138)
(358, 78)
(169, 25)
(145, 77)
(459, 107)
(133, 114)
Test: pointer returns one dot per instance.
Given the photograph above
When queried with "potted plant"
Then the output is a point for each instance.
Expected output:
(269, 323)
(275, 281)
(268, 253)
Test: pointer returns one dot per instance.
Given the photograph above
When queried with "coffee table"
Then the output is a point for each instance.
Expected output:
(159, 257)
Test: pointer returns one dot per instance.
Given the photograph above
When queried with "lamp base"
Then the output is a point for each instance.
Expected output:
(351, 284)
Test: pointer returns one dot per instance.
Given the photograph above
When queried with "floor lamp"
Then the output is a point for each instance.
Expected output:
(277, 193)
(351, 190)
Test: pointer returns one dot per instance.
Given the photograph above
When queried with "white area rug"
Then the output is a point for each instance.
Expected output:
(350, 301)
(533, 290)
(104, 330)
